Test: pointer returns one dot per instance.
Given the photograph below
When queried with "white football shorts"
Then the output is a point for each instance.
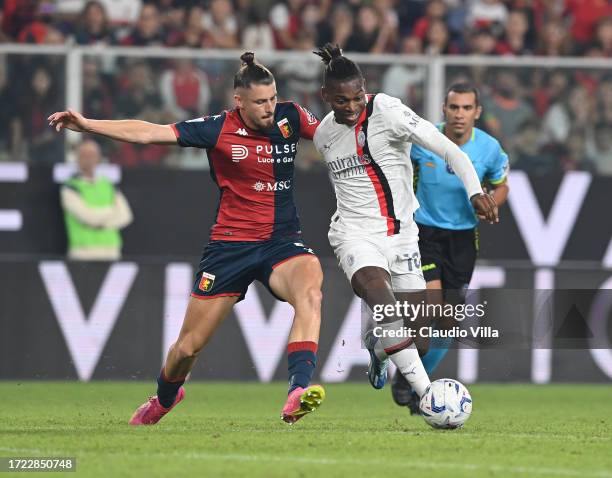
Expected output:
(398, 254)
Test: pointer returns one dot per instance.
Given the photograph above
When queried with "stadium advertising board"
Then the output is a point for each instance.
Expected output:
(115, 321)
(99, 321)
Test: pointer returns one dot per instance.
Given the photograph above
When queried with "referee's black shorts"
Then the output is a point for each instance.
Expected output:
(448, 255)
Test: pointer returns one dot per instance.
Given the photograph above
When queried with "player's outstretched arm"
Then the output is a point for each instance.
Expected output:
(131, 131)
(428, 136)
(485, 207)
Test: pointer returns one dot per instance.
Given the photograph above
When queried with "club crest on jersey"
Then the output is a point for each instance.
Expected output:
(285, 128)
(206, 282)
(361, 138)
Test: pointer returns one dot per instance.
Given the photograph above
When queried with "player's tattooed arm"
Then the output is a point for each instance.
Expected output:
(131, 131)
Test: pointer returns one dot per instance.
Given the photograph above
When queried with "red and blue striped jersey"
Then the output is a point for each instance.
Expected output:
(253, 170)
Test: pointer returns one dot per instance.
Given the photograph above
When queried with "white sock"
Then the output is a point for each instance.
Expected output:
(406, 360)
(409, 364)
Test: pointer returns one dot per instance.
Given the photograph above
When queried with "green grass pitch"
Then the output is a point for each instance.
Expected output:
(234, 430)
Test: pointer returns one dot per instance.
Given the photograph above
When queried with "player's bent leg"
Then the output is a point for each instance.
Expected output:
(373, 284)
(201, 320)
(298, 281)
(401, 391)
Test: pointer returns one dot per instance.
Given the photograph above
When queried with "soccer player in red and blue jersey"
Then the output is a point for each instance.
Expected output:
(256, 236)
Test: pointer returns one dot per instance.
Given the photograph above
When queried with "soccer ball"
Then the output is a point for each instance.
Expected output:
(446, 404)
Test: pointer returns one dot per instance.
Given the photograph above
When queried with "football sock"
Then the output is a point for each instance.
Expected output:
(438, 346)
(404, 354)
(302, 359)
(167, 389)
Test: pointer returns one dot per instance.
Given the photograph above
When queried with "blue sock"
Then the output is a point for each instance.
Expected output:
(302, 359)
(438, 346)
(167, 389)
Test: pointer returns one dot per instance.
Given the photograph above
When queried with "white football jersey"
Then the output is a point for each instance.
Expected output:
(370, 166)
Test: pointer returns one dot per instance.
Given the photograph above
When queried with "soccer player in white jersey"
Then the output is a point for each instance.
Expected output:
(365, 141)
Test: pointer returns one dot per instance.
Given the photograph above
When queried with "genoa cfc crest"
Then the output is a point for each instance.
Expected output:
(285, 128)
(206, 282)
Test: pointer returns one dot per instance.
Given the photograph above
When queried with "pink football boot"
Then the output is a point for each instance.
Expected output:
(302, 401)
(150, 412)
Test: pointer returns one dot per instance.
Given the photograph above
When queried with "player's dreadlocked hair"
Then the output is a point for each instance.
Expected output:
(251, 72)
(337, 66)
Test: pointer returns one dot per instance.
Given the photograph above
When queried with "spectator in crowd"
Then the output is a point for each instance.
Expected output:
(258, 34)
(185, 90)
(599, 147)
(565, 100)
(93, 26)
(434, 10)
(173, 16)
(487, 13)
(31, 137)
(529, 157)
(585, 14)
(438, 40)
(555, 88)
(514, 41)
(97, 95)
(378, 24)
(94, 210)
(506, 109)
(574, 156)
(389, 21)
(148, 30)
(193, 35)
(483, 42)
(123, 12)
(554, 39)
(285, 21)
(301, 80)
(370, 34)
(9, 123)
(221, 24)
(576, 110)
(604, 101)
(16, 15)
(309, 19)
(141, 100)
(603, 37)
(336, 29)
(41, 29)
(406, 81)
(120, 13)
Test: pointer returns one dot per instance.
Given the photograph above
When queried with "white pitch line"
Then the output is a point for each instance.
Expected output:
(462, 433)
(520, 470)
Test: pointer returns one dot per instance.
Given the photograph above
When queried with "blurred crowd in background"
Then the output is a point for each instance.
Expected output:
(548, 119)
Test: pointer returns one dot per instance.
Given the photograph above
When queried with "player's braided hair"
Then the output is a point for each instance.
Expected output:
(252, 72)
(337, 66)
